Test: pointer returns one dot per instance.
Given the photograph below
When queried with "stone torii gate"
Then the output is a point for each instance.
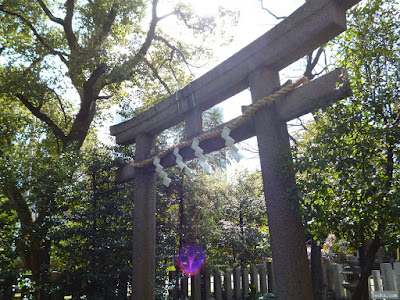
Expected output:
(256, 66)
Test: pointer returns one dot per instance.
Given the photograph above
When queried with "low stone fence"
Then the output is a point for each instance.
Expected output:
(383, 284)
(258, 281)
(239, 283)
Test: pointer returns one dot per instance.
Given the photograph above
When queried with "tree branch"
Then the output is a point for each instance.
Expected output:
(108, 24)
(87, 111)
(311, 63)
(397, 120)
(390, 146)
(169, 59)
(325, 69)
(20, 205)
(317, 56)
(69, 33)
(38, 36)
(173, 48)
(167, 15)
(117, 75)
(49, 14)
(96, 74)
(155, 72)
(45, 118)
(185, 19)
(293, 139)
(61, 105)
(50, 89)
(104, 97)
(272, 14)
(36, 61)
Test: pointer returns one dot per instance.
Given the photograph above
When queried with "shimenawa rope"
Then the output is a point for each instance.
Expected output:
(243, 118)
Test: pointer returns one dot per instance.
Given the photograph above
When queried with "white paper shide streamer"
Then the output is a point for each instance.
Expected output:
(160, 171)
(198, 152)
(229, 142)
(180, 163)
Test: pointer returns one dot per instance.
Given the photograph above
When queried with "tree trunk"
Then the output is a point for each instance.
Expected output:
(182, 216)
(39, 265)
(367, 259)
(123, 286)
(93, 269)
(32, 247)
(6, 291)
(316, 272)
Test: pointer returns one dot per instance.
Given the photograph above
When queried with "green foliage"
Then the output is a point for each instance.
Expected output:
(62, 65)
(10, 264)
(228, 220)
(243, 233)
(92, 241)
(348, 165)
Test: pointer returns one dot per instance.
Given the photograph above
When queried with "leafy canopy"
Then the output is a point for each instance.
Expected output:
(349, 161)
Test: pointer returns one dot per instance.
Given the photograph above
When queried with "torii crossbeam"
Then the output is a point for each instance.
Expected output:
(256, 66)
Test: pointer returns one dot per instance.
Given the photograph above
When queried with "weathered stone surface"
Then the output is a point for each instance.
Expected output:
(288, 242)
(144, 225)
(257, 66)
(315, 94)
(313, 24)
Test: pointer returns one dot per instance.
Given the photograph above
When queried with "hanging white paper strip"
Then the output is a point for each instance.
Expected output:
(229, 142)
(178, 159)
(160, 171)
(181, 164)
(198, 152)
(188, 172)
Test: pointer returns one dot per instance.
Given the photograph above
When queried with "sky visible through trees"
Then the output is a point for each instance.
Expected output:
(252, 23)
(60, 206)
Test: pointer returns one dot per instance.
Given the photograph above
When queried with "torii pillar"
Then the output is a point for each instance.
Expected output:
(256, 66)
(285, 224)
(144, 229)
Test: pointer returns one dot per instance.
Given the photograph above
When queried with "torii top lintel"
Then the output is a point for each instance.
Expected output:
(311, 25)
